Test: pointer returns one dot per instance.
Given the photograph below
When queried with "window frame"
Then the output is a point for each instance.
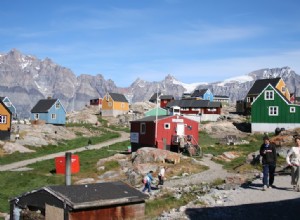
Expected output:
(292, 109)
(269, 94)
(273, 110)
(167, 126)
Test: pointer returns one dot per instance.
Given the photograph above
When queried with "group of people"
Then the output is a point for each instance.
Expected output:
(269, 158)
(149, 178)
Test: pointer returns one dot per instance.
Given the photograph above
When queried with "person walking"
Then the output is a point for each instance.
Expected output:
(161, 175)
(269, 157)
(293, 160)
(147, 181)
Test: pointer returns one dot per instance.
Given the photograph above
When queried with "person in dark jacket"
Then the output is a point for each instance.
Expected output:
(269, 157)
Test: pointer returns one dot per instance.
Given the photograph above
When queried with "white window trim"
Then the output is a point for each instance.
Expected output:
(53, 116)
(293, 109)
(3, 119)
(36, 116)
(272, 109)
(167, 126)
(57, 105)
(271, 95)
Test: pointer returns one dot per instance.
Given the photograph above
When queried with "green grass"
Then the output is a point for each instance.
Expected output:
(205, 140)
(112, 127)
(16, 183)
(62, 146)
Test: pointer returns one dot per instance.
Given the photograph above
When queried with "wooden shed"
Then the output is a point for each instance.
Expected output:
(110, 200)
(164, 132)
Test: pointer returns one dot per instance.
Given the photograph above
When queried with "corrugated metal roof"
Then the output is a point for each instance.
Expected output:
(43, 105)
(118, 97)
(260, 84)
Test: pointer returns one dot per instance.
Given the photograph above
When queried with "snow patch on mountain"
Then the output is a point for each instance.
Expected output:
(189, 87)
(238, 79)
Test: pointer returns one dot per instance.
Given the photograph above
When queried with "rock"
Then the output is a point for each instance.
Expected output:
(150, 155)
(10, 148)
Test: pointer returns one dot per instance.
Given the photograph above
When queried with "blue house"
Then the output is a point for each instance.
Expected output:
(49, 110)
(204, 94)
(10, 106)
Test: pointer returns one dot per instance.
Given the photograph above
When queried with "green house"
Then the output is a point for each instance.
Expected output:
(158, 111)
(272, 110)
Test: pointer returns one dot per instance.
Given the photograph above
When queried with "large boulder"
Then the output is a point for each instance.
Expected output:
(150, 155)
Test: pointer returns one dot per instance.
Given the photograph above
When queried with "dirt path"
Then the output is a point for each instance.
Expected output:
(16, 165)
(214, 172)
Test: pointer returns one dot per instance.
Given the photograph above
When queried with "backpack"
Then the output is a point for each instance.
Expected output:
(145, 180)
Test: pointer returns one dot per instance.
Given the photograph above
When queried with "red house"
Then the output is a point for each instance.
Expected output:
(97, 102)
(162, 99)
(168, 132)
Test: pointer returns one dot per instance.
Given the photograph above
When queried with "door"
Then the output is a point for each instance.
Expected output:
(180, 129)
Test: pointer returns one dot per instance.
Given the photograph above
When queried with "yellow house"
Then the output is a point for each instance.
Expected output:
(5, 122)
(114, 104)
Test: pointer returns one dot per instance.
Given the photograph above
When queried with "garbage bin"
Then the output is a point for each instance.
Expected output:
(60, 164)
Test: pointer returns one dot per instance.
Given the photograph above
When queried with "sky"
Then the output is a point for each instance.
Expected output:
(192, 40)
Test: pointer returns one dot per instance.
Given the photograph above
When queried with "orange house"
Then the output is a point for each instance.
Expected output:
(114, 104)
(5, 122)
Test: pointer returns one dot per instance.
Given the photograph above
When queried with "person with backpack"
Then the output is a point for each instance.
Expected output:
(147, 182)
(293, 160)
(269, 157)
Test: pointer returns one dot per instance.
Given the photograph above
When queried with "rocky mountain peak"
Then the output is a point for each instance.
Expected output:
(26, 79)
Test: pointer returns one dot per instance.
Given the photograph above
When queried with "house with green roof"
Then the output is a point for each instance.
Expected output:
(156, 111)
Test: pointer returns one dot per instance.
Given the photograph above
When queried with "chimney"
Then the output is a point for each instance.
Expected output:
(68, 159)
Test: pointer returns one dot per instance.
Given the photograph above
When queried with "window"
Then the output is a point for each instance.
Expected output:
(269, 95)
(167, 125)
(292, 109)
(53, 116)
(122, 105)
(2, 119)
(57, 105)
(273, 110)
(36, 116)
(143, 128)
(282, 89)
(110, 104)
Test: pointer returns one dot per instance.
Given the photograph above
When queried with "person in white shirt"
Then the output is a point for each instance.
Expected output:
(293, 160)
(161, 176)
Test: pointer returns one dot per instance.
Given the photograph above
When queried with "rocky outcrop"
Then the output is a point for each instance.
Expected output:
(26, 79)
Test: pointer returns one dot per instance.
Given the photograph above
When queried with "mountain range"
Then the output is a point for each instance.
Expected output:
(26, 79)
